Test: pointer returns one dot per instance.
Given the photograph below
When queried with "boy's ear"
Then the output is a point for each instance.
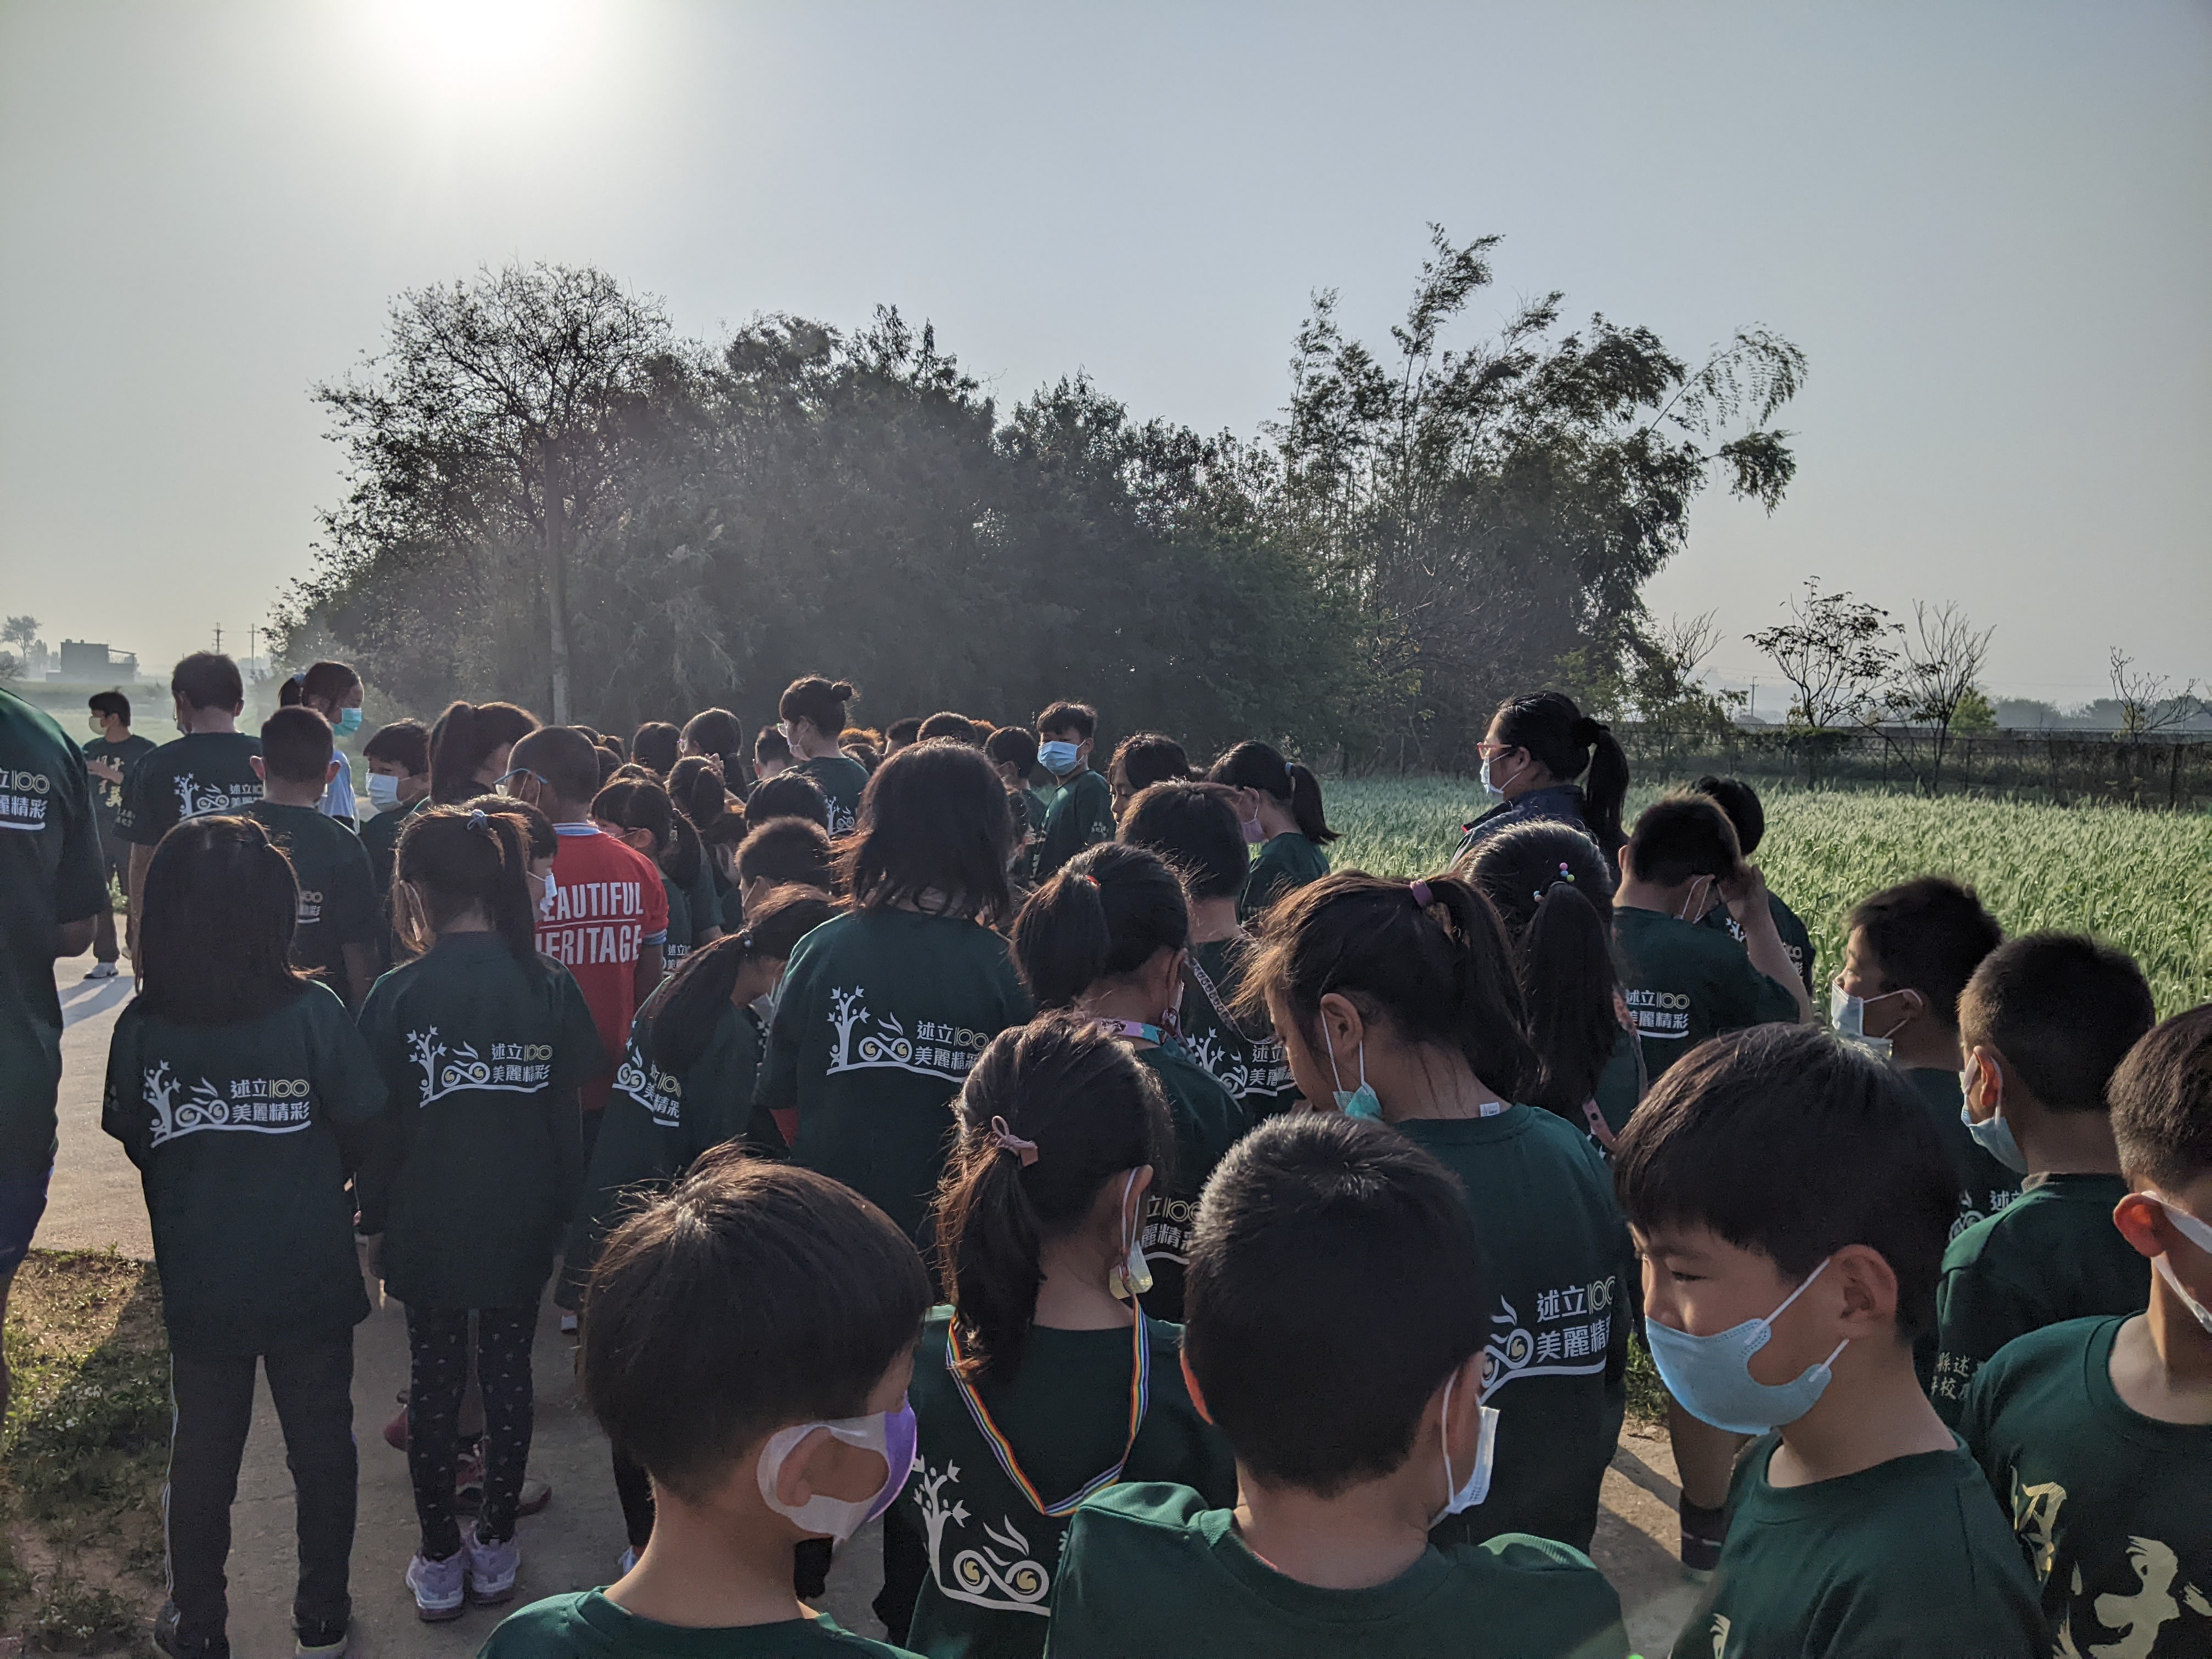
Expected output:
(1197, 1393)
(1869, 1287)
(2143, 1224)
(331, 771)
(261, 767)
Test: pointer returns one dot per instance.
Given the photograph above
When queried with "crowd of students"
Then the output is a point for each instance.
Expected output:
(1181, 1249)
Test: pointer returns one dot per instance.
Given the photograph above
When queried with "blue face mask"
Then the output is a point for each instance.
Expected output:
(1993, 1134)
(1057, 757)
(349, 722)
(1360, 1103)
(1711, 1375)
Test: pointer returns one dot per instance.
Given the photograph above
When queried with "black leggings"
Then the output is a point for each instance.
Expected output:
(438, 1347)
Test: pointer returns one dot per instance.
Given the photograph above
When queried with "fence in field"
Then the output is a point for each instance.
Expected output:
(2170, 770)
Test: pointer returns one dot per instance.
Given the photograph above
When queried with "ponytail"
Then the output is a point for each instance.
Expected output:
(1567, 743)
(1550, 886)
(681, 1014)
(1605, 789)
(1261, 766)
(1108, 912)
(1049, 1114)
(464, 738)
(1431, 958)
(462, 858)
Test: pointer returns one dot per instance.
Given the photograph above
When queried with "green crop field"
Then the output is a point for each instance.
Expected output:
(2140, 880)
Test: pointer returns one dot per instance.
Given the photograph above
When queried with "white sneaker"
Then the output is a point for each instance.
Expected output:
(628, 1561)
(440, 1587)
(102, 970)
(492, 1569)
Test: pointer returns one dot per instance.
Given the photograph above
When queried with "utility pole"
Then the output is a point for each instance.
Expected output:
(218, 641)
(249, 634)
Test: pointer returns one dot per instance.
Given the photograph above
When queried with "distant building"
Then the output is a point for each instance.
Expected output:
(83, 660)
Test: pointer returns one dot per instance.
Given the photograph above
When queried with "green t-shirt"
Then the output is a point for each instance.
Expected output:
(193, 776)
(1253, 1068)
(1082, 815)
(481, 1057)
(703, 903)
(379, 838)
(882, 1013)
(338, 887)
(1909, 1560)
(1622, 1084)
(1286, 863)
(678, 944)
(2110, 1506)
(236, 1131)
(585, 1625)
(1684, 984)
(1986, 1185)
(2052, 1255)
(992, 1556)
(1797, 938)
(657, 1122)
(107, 797)
(1557, 1361)
(1153, 1570)
(1208, 1121)
(51, 873)
(1032, 811)
(841, 780)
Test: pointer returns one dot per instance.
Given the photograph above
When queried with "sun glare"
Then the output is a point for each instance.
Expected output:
(491, 50)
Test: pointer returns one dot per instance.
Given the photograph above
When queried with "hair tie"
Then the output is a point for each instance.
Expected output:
(476, 818)
(1422, 896)
(299, 679)
(1006, 1140)
(1084, 876)
(1290, 771)
(1566, 874)
(745, 941)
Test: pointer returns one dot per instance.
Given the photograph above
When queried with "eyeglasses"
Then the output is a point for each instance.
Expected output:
(506, 778)
(1489, 751)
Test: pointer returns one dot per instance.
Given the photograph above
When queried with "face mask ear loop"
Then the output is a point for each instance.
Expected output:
(1829, 1363)
(1131, 1227)
(1444, 1436)
(1336, 1076)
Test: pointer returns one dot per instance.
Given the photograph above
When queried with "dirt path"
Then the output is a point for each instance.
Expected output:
(96, 1203)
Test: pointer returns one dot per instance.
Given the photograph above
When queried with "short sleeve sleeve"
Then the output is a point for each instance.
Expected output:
(80, 882)
(358, 918)
(148, 814)
(122, 1100)
(345, 1075)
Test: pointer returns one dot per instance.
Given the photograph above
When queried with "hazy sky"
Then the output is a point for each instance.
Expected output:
(1988, 226)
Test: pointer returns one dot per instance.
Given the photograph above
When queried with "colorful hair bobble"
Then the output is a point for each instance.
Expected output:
(1006, 1140)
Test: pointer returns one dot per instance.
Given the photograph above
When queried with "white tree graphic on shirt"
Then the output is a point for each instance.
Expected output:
(945, 1052)
(1020, 1584)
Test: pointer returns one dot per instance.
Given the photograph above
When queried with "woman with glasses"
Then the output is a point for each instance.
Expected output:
(1536, 748)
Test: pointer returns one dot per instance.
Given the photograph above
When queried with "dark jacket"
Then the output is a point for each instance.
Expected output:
(1558, 803)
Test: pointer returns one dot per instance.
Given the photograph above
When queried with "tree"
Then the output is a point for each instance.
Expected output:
(1487, 509)
(2145, 706)
(1833, 653)
(1975, 714)
(22, 631)
(1934, 674)
(493, 419)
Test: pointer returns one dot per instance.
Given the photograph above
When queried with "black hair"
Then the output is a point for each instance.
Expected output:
(110, 703)
(540, 838)
(1785, 1140)
(466, 736)
(462, 858)
(716, 731)
(1336, 1279)
(1080, 718)
(1148, 758)
(696, 788)
(405, 744)
(1015, 746)
(904, 732)
(1741, 802)
(1928, 935)
(1094, 1110)
(769, 744)
(1548, 882)
(1258, 766)
(567, 760)
(934, 829)
(818, 702)
(2162, 1102)
(1681, 837)
(787, 795)
(215, 942)
(946, 724)
(681, 1013)
(1193, 826)
(753, 1295)
(1566, 743)
(657, 744)
(296, 745)
(2063, 1010)
(1107, 912)
(207, 679)
(643, 803)
(321, 681)
(1439, 973)
(794, 850)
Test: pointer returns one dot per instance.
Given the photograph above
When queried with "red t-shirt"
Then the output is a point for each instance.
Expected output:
(603, 902)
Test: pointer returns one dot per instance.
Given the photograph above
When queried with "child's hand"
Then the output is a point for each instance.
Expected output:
(1745, 893)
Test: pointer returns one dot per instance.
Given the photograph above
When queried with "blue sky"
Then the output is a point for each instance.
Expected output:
(1988, 226)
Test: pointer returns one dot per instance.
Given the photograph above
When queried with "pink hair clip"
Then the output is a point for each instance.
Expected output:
(1007, 1141)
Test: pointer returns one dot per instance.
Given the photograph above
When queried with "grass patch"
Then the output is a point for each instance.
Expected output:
(83, 1451)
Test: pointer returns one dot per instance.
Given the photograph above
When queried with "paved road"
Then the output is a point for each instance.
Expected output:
(96, 1203)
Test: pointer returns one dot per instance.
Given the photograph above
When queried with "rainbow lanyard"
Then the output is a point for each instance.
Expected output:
(1140, 1374)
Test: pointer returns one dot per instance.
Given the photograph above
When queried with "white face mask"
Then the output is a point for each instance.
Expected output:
(2198, 1233)
(383, 791)
(1132, 1276)
(1847, 1015)
(890, 1435)
(1464, 1495)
